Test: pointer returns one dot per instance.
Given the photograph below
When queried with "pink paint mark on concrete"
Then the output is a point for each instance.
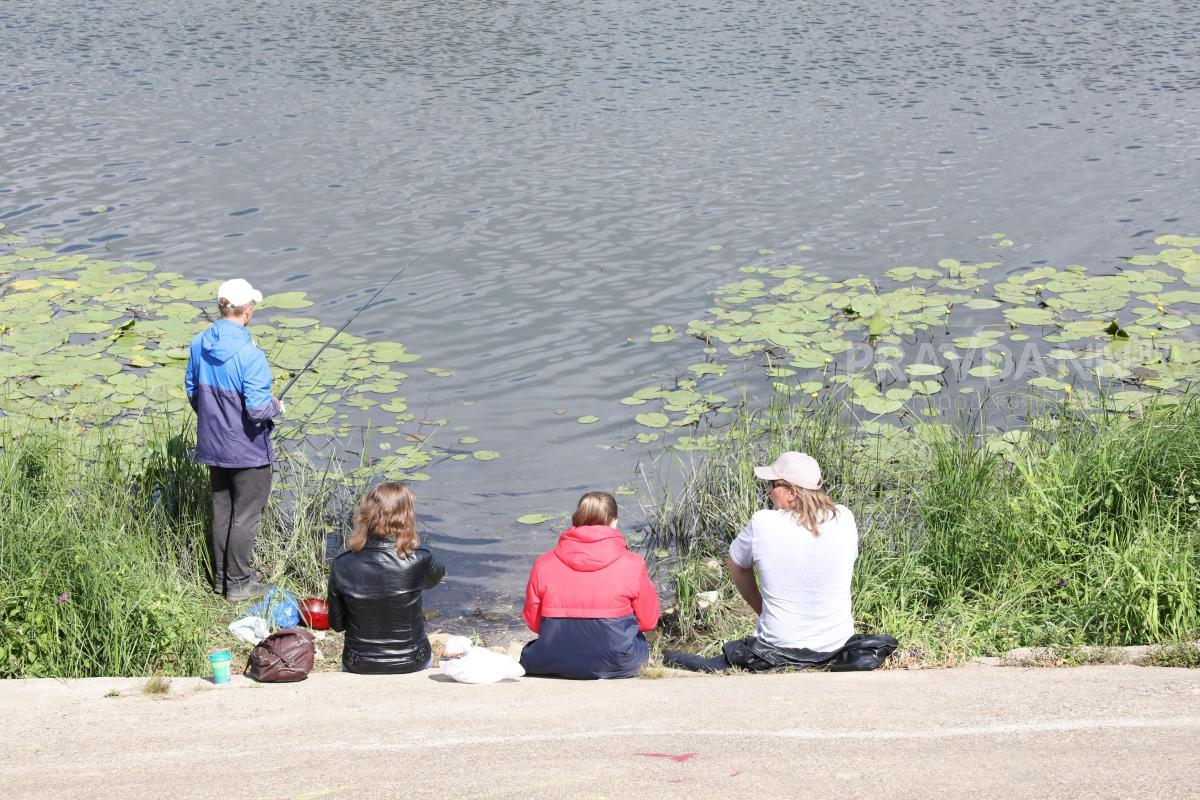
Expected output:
(678, 759)
(735, 773)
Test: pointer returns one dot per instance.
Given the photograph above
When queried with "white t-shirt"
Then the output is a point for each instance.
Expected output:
(804, 579)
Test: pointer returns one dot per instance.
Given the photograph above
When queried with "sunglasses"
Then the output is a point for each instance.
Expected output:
(778, 484)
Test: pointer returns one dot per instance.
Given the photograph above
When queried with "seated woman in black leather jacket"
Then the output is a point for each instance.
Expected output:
(375, 586)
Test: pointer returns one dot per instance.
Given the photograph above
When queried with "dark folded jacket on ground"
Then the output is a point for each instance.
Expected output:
(860, 653)
(375, 597)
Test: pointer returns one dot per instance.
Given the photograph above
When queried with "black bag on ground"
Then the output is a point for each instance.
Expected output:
(285, 656)
(860, 653)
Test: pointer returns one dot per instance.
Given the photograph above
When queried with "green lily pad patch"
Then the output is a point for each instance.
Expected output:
(103, 342)
(888, 339)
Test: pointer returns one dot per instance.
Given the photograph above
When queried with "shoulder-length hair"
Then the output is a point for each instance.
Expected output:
(595, 508)
(811, 507)
(386, 513)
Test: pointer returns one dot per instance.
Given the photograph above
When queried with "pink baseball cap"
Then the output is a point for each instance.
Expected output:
(798, 469)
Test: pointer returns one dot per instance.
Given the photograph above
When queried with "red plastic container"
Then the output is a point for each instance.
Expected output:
(314, 612)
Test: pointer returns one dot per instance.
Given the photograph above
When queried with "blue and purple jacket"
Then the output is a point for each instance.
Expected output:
(228, 383)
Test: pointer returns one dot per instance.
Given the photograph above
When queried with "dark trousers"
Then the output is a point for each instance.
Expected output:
(238, 497)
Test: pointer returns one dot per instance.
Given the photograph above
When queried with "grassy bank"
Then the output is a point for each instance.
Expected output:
(102, 558)
(1080, 527)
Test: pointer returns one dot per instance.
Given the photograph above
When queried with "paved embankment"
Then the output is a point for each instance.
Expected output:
(1109, 731)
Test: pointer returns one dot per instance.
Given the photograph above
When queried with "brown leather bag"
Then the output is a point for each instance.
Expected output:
(284, 656)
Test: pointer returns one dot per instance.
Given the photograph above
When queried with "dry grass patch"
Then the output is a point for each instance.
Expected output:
(157, 685)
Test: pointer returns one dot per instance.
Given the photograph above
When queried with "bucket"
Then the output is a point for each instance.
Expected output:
(220, 661)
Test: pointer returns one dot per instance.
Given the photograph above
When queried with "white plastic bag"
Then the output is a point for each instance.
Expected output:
(468, 664)
(252, 629)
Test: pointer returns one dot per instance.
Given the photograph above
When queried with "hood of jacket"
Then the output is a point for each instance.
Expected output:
(590, 547)
(223, 340)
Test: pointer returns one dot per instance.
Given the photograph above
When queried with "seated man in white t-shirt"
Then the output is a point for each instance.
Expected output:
(804, 550)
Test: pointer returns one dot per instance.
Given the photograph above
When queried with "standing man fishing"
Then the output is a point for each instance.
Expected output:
(228, 383)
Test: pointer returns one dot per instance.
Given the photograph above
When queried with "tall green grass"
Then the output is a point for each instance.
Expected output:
(103, 566)
(1080, 529)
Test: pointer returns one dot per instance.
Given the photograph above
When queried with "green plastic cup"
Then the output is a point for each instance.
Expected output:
(220, 661)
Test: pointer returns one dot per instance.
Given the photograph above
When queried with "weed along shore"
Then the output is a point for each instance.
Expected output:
(996, 511)
(1081, 530)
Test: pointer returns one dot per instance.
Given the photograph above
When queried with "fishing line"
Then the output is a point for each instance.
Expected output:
(345, 325)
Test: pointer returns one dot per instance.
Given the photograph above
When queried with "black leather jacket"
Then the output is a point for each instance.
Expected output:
(375, 597)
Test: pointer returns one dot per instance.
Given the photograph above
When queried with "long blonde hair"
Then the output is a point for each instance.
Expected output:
(595, 508)
(386, 513)
(810, 507)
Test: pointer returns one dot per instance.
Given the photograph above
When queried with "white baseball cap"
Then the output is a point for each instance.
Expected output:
(238, 292)
(798, 469)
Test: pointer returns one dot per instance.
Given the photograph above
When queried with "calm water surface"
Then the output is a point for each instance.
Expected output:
(565, 168)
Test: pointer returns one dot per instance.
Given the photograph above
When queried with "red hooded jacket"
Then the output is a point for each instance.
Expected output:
(590, 574)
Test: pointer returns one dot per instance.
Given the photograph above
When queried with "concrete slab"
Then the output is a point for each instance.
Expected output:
(1110, 731)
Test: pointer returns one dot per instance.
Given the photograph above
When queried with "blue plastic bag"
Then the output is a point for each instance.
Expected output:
(278, 607)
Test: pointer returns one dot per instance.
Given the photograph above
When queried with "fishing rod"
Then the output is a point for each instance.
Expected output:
(345, 325)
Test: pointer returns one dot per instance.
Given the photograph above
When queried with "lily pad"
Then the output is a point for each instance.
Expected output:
(286, 300)
(880, 405)
(925, 387)
(1030, 316)
(663, 333)
(1047, 382)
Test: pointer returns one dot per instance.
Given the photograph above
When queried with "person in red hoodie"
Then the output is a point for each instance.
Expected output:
(589, 600)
